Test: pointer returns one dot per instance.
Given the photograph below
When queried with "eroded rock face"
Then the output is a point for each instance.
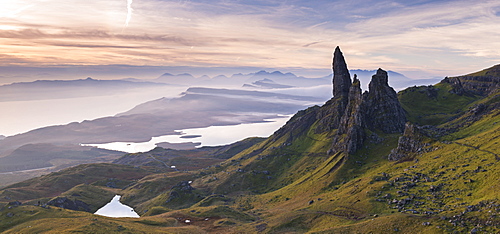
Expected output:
(409, 145)
(473, 85)
(351, 112)
(351, 135)
(341, 76)
(383, 110)
(180, 190)
(330, 114)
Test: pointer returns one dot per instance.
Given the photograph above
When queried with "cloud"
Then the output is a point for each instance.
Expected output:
(296, 33)
(129, 12)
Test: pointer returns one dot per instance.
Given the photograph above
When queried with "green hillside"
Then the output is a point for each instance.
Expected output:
(299, 180)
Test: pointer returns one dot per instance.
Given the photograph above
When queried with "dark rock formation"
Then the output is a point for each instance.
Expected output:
(348, 115)
(383, 110)
(349, 112)
(409, 145)
(184, 186)
(15, 203)
(477, 109)
(329, 116)
(66, 203)
(475, 85)
(330, 113)
(341, 76)
(351, 135)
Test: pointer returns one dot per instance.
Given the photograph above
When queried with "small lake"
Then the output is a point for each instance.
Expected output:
(209, 136)
(116, 209)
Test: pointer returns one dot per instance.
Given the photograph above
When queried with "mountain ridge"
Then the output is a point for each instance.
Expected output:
(62, 89)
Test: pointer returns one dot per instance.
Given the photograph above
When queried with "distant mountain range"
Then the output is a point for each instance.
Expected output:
(195, 108)
(278, 80)
(58, 89)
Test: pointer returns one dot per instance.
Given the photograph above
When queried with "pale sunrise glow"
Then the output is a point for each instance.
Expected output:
(430, 39)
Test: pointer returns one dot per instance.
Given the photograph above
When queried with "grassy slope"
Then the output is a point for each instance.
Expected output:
(344, 191)
(54, 184)
(32, 219)
(426, 107)
(492, 71)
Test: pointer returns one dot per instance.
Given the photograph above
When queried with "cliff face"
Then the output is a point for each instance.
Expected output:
(351, 135)
(341, 76)
(383, 111)
(409, 145)
(481, 83)
(329, 116)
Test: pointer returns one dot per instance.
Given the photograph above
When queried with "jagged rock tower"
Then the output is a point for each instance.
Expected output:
(349, 113)
(350, 116)
(341, 76)
(330, 117)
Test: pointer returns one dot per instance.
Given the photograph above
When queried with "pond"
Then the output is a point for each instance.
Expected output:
(116, 209)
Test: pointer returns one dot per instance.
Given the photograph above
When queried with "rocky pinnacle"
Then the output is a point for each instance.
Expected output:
(383, 110)
(341, 76)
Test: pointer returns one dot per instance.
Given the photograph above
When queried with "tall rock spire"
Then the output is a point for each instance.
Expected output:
(330, 117)
(341, 76)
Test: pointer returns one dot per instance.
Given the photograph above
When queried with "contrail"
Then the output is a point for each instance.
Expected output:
(129, 12)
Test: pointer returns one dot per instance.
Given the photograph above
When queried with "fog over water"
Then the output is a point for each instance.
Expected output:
(209, 136)
(22, 116)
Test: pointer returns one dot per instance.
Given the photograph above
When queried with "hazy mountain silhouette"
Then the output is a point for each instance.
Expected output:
(59, 89)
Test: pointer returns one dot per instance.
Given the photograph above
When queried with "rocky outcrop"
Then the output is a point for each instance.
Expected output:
(349, 112)
(456, 85)
(66, 203)
(409, 145)
(481, 83)
(179, 191)
(351, 135)
(383, 111)
(331, 113)
(473, 85)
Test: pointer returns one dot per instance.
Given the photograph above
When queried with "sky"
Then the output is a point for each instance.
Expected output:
(419, 38)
